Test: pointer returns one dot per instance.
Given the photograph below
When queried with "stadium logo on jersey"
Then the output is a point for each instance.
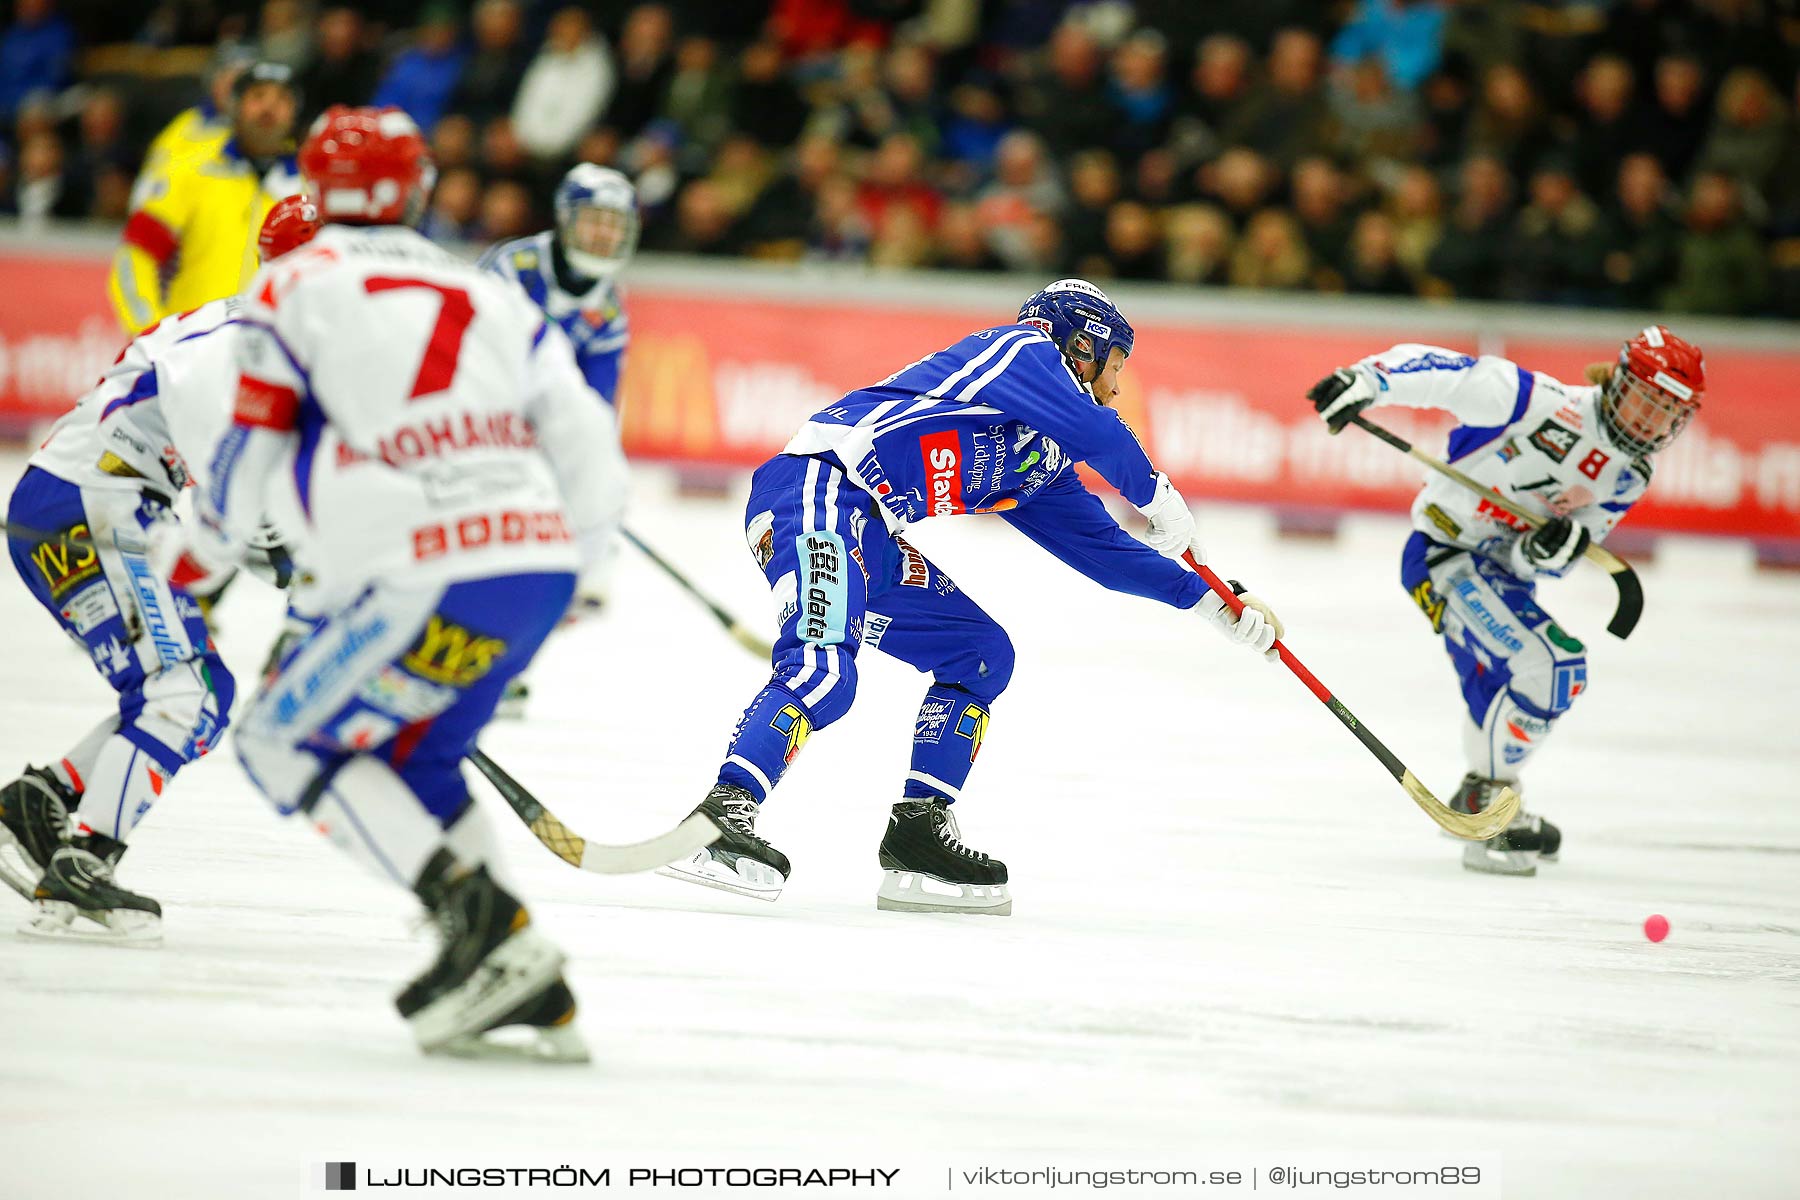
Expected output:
(973, 725)
(792, 724)
(450, 654)
(1555, 440)
(942, 455)
(67, 560)
(824, 593)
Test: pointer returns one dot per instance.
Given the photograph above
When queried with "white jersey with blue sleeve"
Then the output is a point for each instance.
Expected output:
(1536, 441)
(594, 321)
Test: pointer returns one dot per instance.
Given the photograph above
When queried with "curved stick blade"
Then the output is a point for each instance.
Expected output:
(694, 833)
(1476, 827)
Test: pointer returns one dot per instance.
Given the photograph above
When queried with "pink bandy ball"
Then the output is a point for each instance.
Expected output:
(1656, 927)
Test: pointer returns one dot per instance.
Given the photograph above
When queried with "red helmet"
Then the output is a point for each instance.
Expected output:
(289, 225)
(367, 166)
(1654, 391)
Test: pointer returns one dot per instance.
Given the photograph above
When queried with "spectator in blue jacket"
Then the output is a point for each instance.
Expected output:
(1406, 35)
(35, 53)
(422, 79)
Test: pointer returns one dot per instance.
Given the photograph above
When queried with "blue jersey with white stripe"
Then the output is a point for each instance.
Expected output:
(594, 320)
(994, 424)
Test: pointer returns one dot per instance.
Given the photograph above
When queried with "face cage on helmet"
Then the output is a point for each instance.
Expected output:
(1624, 386)
(602, 249)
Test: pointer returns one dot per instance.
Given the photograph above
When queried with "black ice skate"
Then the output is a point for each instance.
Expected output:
(34, 822)
(739, 861)
(1515, 851)
(496, 989)
(77, 899)
(930, 870)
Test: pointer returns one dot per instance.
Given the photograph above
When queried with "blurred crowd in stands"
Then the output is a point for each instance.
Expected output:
(1639, 153)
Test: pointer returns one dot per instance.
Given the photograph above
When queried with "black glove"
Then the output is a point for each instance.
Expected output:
(1560, 542)
(1341, 395)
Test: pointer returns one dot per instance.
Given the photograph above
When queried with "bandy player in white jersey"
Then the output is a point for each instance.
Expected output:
(426, 437)
(79, 525)
(1579, 456)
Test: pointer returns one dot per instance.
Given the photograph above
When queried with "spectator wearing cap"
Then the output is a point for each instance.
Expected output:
(767, 105)
(1722, 267)
(36, 51)
(1558, 242)
(490, 80)
(1749, 135)
(1142, 98)
(1064, 100)
(1406, 35)
(191, 235)
(422, 78)
(1286, 116)
(1645, 233)
(343, 71)
(1469, 260)
(205, 126)
(565, 88)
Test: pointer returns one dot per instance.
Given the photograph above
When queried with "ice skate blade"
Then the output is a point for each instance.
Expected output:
(514, 971)
(60, 921)
(16, 866)
(557, 1044)
(910, 891)
(744, 878)
(1477, 856)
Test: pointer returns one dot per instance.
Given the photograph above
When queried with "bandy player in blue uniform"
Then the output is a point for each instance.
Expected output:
(1578, 456)
(993, 424)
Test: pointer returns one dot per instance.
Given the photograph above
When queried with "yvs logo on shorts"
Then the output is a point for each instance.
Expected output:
(448, 653)
(67, 560)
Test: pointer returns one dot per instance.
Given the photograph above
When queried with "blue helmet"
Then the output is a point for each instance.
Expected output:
(1080, 319)
(596, 219)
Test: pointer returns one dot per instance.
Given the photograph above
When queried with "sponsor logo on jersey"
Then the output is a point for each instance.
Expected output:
(67, 560)
(942, 456)
(914, 570)
(473, 533)
(875, 627)
(1498, 515)
(1430, 603)
(1437, 516)
(1500, 631)
(1555, 440)
(405, 695)
(1037, 323)
(89, 608)
(1509, 451)
(973, 724)
(145, 586)
(451, 654)
(933, 719)
(291, 692)
(760, 533)
(1430, 362)
(792, 724)
(1570, 681)
(873, 477)
(823, 590)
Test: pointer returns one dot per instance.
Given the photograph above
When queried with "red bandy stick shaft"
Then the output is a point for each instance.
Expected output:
(1237, 606)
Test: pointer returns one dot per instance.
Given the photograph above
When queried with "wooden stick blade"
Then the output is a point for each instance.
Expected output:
(1476, 827)
(695, 833)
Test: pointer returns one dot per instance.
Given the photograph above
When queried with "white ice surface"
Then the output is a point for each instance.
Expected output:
(1232, 931)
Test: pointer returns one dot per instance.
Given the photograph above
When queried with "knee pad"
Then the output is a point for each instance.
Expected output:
(1549, 673)
(821, 678)
(184, 708)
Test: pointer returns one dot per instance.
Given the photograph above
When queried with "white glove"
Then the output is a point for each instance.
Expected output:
(1552, 548)
(1171, 529)
(1257, 626)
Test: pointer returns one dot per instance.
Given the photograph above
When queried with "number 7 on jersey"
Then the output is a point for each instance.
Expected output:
(455, 312)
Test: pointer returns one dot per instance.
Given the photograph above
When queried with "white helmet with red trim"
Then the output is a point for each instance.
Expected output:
(367, 166)
(1653, 392)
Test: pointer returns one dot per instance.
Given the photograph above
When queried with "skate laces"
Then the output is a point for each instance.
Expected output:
(944, 821)
(741, 812)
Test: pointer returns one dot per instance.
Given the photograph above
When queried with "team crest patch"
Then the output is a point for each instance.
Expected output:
(973, 725)
(792, 724)
(1555, 440)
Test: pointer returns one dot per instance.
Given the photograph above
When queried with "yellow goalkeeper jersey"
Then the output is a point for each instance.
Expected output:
(199, 127)
(191, 236)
